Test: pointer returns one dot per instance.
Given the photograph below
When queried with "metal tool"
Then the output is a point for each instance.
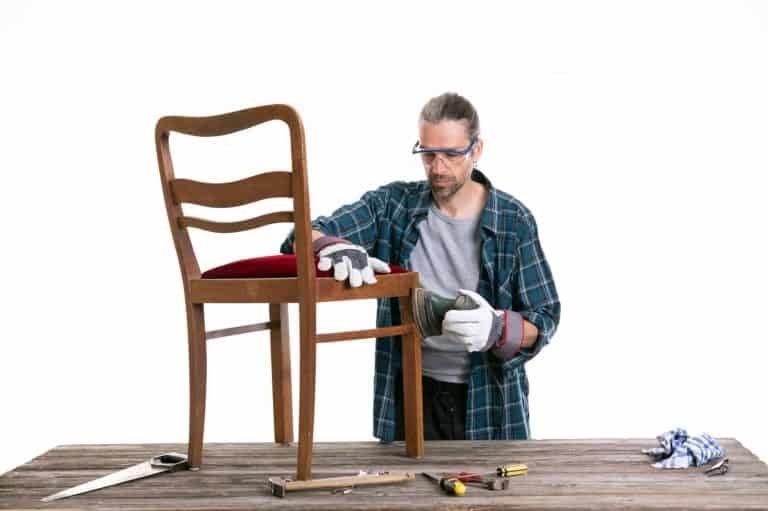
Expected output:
(168, 462)
(449, 485)
(718, 469)
(501, 471)
(429, 310)
(280, 486)
(467, 477)
(495, 481)
(489, 483)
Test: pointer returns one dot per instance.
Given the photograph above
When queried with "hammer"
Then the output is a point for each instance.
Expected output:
(280, 486)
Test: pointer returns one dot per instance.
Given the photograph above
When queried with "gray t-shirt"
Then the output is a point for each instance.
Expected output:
(447, 257)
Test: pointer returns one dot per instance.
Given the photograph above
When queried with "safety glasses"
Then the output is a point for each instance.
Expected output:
(449, 156)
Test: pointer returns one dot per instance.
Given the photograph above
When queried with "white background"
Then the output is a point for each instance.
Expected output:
(635, 132)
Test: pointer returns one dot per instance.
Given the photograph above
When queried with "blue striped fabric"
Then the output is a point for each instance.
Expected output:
(514, 275)
(678, 450)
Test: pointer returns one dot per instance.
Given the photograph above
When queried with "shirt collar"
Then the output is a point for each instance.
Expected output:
(421, 200)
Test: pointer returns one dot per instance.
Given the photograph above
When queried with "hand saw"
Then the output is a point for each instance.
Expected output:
(168, 462)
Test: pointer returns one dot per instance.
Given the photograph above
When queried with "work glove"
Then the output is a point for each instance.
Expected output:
(479, 329)
(349, 261)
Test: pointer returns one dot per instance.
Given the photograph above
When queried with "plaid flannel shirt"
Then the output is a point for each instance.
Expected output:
(514, 275)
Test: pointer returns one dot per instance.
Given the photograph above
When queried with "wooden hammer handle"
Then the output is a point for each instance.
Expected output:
(347, 481)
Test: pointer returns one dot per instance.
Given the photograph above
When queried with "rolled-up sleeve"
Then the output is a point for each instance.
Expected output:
(357, 222)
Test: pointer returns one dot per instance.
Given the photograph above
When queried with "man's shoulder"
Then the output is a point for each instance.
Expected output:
(508, 204)
(405, 187)
(401, 192)
(513, 214)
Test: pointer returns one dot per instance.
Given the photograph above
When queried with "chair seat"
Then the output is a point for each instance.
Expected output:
(274, 266)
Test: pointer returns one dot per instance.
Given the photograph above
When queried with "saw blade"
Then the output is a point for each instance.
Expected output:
(132, 473)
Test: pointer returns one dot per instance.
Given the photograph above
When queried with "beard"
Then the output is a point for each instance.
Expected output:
(446, 188)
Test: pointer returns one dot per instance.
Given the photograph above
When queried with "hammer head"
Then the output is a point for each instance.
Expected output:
(277, 486)
(498, 483)
(429, 310)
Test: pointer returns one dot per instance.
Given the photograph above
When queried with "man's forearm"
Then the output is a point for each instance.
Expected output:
(315, 235)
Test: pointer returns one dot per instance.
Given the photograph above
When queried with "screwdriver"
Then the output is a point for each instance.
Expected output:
(511, 470)
(451, 486)
(501, 471)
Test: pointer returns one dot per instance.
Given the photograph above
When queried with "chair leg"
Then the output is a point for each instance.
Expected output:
(412, 393)
(197, 377)
(307, 365)
(282, 400)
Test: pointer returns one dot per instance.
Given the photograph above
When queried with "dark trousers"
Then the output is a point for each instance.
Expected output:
(445, 409)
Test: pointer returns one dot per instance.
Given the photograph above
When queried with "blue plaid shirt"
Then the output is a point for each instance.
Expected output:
(514, 275)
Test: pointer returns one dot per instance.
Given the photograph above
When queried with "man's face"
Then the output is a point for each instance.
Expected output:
(447, 174)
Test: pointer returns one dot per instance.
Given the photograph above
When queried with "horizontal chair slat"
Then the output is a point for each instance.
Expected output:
(236, 193)
(224, 124)
(392, 285)
(365, 334)
(286, 289)
(242, 225)
(244, 329)
(271, 290)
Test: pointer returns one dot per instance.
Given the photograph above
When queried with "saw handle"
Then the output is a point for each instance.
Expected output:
(172, 461)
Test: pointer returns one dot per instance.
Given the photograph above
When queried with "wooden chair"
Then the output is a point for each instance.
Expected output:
(306, 288)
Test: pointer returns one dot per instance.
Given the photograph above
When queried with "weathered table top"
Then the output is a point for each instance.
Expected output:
(563, 474)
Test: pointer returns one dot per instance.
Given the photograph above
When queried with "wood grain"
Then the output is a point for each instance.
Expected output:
(366, 334)
(280, 356)
(243, 329)
(563, 474)
(266, 185)
(412, 391)
(240, 225)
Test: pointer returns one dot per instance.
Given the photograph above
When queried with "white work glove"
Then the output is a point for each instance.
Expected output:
(478, 329)
(349, 261)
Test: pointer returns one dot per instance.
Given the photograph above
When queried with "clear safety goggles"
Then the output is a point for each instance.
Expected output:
(451, 157)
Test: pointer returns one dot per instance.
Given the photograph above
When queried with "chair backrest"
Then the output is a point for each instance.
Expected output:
(220, 195)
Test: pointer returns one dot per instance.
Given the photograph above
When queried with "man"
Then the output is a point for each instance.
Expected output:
(466, 237)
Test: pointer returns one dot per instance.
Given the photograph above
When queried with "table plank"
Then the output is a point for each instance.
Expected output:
(563, 474)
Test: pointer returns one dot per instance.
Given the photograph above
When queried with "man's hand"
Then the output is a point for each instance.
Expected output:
(349, 261)
(478, 329)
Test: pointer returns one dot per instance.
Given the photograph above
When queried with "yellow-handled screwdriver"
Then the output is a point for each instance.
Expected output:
(511, 470)
(450, 485)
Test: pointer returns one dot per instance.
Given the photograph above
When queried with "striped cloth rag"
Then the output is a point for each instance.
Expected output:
(678, 450)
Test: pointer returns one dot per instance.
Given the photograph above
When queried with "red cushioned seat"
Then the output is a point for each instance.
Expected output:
(282, 265)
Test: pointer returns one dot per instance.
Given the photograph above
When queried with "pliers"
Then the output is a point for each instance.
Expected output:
(498, 480)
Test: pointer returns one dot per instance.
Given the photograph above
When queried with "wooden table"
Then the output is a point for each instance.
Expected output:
(563, 474)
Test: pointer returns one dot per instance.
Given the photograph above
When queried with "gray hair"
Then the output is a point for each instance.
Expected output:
(450, 106)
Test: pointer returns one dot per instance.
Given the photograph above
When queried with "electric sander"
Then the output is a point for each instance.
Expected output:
(429, 309)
